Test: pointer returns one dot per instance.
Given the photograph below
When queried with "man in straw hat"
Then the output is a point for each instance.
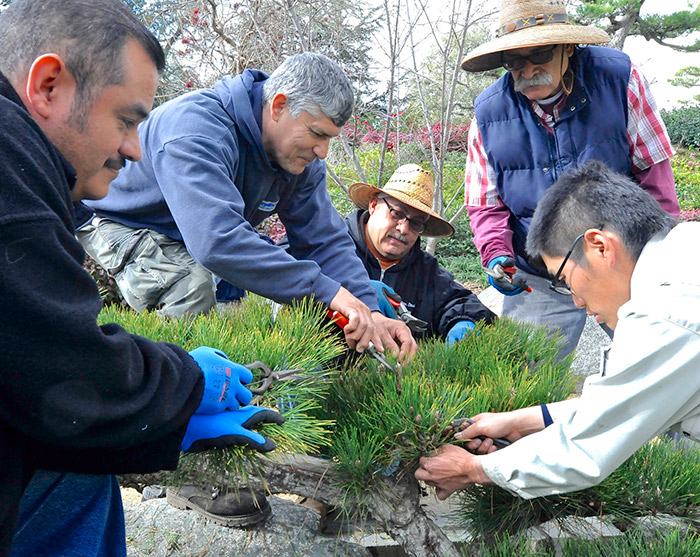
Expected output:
(558, 106)
(386, 229)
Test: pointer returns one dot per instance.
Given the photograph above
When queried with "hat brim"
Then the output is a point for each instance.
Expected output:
(435, 227)
(488, 55)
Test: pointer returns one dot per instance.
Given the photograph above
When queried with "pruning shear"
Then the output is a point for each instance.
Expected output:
(503, 273)
(268, 378)
(416, 325)
(342, 321)
(500, 442)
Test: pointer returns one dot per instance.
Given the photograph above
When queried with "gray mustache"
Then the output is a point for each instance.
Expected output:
(537, 79)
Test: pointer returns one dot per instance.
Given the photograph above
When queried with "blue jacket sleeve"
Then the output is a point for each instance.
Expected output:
(317, 232)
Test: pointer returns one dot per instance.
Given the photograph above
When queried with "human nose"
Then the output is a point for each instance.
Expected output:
(321, 148)
(578, 301)
(403, 226)
(528, 70)
(130, 148)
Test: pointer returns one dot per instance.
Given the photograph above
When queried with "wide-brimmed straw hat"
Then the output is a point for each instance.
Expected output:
(413, 186)
(527, 23)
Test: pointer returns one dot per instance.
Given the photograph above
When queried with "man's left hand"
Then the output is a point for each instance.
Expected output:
(395, 336)
(452, 468)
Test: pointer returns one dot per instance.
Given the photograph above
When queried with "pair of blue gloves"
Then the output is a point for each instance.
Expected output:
(224, 417)
(457, 332)
(501, 271)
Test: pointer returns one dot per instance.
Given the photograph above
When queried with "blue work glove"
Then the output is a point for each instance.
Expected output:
(501, 270)
(384, 305)
(231, 427)
(458, 331)
(223, 381)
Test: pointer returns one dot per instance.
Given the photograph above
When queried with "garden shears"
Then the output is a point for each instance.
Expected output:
(402, 312)
(342, 321)
(268, 377)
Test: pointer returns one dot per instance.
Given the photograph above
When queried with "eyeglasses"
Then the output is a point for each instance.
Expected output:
(557, 284)
(512, 61)
(397, 217)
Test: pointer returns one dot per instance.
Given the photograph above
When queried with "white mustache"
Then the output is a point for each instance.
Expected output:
(537, 79)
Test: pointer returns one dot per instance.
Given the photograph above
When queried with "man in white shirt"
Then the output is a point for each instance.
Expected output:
(611, 247)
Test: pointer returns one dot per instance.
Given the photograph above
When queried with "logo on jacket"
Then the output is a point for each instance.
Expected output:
(267, 206)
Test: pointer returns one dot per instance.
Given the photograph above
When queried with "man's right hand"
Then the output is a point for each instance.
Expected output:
(360, 328)
(501, 271)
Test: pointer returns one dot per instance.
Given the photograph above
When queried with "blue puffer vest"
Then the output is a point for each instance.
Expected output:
(528, 159)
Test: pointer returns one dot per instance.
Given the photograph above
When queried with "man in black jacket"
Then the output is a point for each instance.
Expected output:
(76, 77)
(386, 231)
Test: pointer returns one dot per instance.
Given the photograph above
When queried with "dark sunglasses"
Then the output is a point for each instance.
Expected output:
(559, 286)
(512, 61)
(397, 217)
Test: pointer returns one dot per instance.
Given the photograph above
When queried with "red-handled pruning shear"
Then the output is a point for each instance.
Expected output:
(342, 321)
(504, 273)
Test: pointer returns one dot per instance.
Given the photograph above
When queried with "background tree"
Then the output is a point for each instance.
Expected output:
(622, 18)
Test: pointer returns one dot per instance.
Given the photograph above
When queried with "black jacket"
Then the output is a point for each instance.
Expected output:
(429, 291)
(74, 396)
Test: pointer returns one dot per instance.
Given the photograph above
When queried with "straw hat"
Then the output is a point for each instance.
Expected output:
(526, 23)
(413, 186)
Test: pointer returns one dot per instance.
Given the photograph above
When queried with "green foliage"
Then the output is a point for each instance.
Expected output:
(459, 255)
(383, 418)
(683, 125)
(296, 337)
(686, 172)
(659, 478)
(633, 542)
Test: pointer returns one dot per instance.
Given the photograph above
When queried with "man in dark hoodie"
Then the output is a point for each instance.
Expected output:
(76, 77)
(216, 163)
(386, 231)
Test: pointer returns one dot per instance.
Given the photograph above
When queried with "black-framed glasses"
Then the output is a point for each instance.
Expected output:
(397, 217)
(559, 286)
(511, 61)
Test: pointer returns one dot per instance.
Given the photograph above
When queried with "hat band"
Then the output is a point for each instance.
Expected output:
(532, 21)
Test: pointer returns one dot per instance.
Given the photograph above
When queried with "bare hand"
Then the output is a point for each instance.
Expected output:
(450, 469)
(395, 336)
(360, 328)
(511, 425)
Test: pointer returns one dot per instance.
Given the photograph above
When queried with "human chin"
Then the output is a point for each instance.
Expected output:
(95, 187)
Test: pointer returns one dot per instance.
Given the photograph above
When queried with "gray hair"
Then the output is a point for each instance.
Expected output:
(90, 36)
(594, 196)
(313, 83)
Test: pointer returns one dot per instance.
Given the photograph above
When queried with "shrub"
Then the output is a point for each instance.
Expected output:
(683, 125)
(686, 172)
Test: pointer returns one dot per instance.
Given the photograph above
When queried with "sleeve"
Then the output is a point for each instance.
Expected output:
(658, 181)
(194, 174)
(318, 233)
(646, 132)
(68, 383)
(479, 177)
(492, 234)
(649, 383)
(488, 216)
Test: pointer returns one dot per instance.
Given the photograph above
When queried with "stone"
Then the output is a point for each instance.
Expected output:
(154, 527)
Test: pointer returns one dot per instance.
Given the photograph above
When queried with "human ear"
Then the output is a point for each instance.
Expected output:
(569, 50)
(277, 106)
(372, 205)
(48, 84)
(600, 245)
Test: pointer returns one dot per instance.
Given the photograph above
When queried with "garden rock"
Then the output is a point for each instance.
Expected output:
(154, 527)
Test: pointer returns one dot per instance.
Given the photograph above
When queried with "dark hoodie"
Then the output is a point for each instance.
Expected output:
(429, 291)
(74, 396)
